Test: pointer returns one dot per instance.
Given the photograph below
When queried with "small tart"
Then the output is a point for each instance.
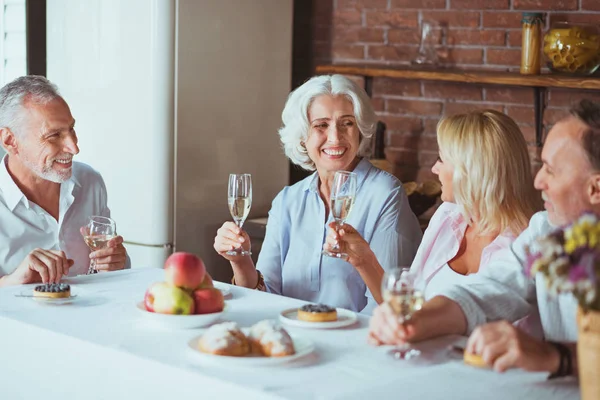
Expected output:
(475, 360)
(52, 291)
(317, 313)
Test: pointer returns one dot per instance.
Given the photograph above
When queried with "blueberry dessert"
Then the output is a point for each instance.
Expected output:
(52, 290)
(317, 313)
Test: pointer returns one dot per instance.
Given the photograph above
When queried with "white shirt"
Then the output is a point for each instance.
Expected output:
(503, 291)
(25, 226)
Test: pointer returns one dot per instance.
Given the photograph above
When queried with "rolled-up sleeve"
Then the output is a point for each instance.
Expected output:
(501, 291)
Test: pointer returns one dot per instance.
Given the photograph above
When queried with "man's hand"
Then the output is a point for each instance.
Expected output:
(47, 266)
(503, 346)
(111, 258)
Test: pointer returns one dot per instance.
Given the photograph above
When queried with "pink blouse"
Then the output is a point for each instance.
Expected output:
(441, 242)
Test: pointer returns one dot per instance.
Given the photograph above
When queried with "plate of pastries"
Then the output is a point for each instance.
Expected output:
(263, 344)
(318, 316)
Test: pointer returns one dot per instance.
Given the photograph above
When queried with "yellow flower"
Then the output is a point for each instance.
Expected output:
(570, 246)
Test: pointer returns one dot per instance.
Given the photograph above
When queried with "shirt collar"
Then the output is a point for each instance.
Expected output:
(13, 195)
(10, 191)
(361, 170)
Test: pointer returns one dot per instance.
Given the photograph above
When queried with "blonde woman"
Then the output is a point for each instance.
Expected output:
(488, 195)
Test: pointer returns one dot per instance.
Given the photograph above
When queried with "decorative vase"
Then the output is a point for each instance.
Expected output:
(588, 354)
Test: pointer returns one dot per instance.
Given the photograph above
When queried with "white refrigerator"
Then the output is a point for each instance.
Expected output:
(170, 97)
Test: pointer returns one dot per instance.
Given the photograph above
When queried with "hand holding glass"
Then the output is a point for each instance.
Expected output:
(239, 198)
(96, 234)
(398, 291)
(343, 193)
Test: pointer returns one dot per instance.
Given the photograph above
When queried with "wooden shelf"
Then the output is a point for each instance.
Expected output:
(447, 75)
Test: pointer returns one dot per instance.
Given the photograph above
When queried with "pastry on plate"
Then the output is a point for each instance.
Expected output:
(52, 291)
(317, 313)
(475, 360)
(267, 338)
(224, 339)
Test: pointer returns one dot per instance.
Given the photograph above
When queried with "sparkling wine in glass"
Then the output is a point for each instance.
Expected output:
(97, 233)
(399, 292)
(239, 198)
(343, 193)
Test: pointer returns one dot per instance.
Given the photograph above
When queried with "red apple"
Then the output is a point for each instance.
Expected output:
(166, 299)
(207, 282)
(184, 270)
(208, 301)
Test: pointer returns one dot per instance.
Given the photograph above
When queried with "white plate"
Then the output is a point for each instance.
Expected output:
(170, 321)
(345, 318)
(49, 300)
(225, 290)
(302, 346)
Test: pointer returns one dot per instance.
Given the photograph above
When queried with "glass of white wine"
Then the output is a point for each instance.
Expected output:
(96, 234)
(399, 292)
(343, 193)
(239, 198)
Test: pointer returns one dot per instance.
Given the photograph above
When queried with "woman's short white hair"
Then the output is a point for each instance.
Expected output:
(296, 125)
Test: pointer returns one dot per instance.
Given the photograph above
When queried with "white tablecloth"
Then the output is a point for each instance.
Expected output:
(99, 347)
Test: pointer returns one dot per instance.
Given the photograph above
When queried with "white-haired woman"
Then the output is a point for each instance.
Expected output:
(326, 126)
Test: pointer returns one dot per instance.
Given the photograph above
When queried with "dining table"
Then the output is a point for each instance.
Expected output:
(101, 345)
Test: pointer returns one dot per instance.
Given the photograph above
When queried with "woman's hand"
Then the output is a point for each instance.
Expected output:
(350, 242)
(231, 237)
(385, 327)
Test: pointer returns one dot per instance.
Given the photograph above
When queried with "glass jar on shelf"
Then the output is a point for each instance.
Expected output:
(530, 46)
(572, 48)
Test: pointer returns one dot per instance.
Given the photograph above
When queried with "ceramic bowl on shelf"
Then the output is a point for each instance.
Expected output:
(572, 48)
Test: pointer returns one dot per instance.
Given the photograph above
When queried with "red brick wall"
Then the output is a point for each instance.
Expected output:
(480, 34)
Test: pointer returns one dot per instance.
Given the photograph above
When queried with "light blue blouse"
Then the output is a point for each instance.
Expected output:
(291, 260)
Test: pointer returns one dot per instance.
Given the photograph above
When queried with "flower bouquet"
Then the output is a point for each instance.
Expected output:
(569, 261)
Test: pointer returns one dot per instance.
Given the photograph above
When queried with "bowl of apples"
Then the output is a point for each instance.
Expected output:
(186, 299)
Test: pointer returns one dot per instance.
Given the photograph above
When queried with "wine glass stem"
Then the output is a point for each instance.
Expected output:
(338, 226)
(92, 269)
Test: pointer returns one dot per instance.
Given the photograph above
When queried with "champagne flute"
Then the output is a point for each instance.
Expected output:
(97, 233)
(239, 198)
(399, 292)
(343, 193)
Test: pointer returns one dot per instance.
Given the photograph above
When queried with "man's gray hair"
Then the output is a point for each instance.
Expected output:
(15, 95)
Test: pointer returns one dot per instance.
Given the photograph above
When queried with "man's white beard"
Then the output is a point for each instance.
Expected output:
(47, 172)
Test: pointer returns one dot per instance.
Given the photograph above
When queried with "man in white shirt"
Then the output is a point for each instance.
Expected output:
(46, 197)
(570, 183)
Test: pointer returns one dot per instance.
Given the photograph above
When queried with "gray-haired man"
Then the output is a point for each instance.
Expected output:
(46, 197)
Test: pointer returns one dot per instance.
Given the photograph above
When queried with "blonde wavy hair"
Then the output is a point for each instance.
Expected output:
(492, 181)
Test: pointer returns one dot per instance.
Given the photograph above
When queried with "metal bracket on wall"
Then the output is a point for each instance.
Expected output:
(369, 85)
(539, 101)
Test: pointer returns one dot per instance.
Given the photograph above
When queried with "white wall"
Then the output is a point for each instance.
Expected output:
(13, 45)
(233, 77)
